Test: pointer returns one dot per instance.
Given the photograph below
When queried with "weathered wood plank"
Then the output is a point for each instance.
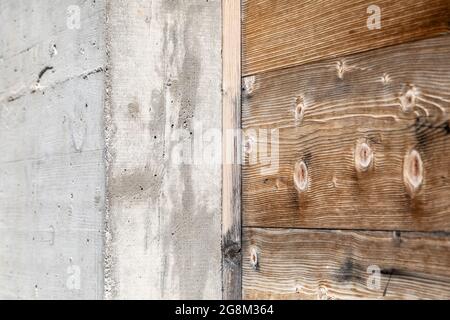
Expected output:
(283, 33)
(231, 175)
(312, 264)
(367, 134)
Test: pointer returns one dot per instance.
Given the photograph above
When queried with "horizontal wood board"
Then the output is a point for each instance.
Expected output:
(395, 101)
(282, 33)
(313, 264)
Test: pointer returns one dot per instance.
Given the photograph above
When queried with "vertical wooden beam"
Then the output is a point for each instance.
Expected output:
(231, 175)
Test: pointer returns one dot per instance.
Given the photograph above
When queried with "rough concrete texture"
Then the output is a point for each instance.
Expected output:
(122, 93)
(163, 218)
(52, 177)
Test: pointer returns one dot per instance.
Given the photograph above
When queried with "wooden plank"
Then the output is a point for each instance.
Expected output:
(231, 175)
(368, 136)
(312, 264)
(283, 33)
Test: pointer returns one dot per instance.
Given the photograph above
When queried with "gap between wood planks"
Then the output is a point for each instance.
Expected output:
(435, 232)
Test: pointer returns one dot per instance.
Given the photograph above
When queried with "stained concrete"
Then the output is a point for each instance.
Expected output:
(163, 217)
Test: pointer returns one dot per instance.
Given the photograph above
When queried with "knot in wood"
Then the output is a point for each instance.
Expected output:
(299, 108)
(248, 85)
(301, 176)
(413, 172)
(363, 156)
(231, 251)
(340, 68)
(254, 258)
(322, 293)
(408, 98)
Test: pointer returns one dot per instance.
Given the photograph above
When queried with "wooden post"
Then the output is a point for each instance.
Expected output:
(231, 175)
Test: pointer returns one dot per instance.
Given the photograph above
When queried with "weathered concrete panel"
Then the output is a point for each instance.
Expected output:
(51, 150)
(163, 65)
(163, 219)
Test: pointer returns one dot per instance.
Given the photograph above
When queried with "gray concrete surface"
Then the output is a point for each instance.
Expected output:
(163, 217)
(93, 200)
(52, 176)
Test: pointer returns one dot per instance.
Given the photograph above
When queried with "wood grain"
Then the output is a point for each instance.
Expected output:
(389, 106)
(231, 147)
(312, 264)
(283, 33)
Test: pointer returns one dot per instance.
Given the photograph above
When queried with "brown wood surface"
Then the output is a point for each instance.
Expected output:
(283, 33)
(390, 106)
(312, 264)
(231, 173)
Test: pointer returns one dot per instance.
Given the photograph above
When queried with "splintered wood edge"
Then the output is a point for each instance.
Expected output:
(231, 150)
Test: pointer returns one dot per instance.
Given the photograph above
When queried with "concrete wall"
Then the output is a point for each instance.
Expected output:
(52, 173)
(94, 201)
(164, 83)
